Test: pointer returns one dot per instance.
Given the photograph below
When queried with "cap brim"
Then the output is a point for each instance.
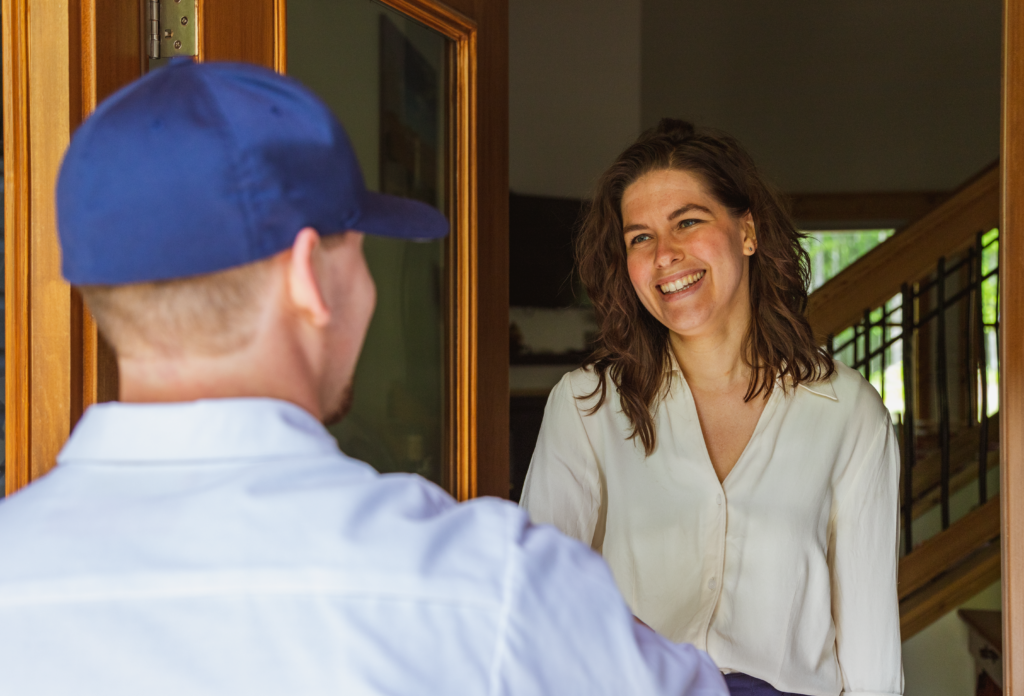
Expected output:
(400, 218)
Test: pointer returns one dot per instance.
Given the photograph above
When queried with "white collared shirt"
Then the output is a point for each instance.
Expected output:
(786, 571)
(228, 547)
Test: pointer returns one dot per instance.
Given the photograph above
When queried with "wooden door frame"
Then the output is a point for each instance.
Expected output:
(58, 64)
(1011, 406)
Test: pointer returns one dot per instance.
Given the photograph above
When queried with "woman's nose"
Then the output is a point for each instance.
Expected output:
(667, 252)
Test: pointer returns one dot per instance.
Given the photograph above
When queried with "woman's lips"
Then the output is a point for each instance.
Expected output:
(680, 284)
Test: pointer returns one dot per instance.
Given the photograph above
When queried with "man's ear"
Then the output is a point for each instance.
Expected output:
(304, 273)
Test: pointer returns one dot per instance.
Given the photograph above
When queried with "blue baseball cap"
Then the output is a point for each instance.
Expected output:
(200, 167)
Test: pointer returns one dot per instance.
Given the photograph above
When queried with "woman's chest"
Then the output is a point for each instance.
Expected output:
(782, 477)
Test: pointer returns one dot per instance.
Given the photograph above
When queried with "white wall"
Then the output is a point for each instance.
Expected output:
(574, 91)
(834, 96)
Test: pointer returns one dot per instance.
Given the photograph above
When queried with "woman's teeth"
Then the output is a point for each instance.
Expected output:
(681, 283)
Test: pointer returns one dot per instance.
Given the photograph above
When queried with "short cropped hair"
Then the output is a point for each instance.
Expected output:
(208, 315)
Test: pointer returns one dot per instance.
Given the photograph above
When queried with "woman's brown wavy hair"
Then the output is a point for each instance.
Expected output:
(633, 346)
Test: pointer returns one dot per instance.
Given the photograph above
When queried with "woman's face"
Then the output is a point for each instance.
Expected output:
(687, 254)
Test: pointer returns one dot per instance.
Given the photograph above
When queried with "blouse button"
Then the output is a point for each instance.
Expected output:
(712, 584)
(718, 498)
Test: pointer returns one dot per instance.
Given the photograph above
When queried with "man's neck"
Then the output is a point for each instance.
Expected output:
(244, 373)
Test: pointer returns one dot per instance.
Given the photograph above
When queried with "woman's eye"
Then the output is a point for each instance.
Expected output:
(642, 237)
(689, 222)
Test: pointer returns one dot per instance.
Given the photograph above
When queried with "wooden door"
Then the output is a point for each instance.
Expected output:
(61, 59)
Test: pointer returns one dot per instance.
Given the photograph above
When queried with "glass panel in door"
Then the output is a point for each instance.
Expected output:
(384, 76)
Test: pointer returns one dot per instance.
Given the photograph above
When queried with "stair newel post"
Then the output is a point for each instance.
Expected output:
(909, 453)
(942, 378)
(982, 361)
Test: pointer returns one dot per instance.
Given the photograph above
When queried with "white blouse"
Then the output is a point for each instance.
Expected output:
(786, 571)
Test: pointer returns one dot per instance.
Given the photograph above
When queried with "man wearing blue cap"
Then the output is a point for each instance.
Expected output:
(205, 535)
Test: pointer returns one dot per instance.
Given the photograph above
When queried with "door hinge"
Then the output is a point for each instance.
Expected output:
(172, 28)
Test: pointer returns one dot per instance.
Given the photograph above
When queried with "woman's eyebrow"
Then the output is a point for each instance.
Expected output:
(676, 213)
(687, 208)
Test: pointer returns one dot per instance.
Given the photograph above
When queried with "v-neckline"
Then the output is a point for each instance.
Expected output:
(761, 420)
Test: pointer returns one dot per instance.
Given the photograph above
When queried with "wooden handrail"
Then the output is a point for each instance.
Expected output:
(949, 568)
(943, 551)
(907, 256)
(949, 591)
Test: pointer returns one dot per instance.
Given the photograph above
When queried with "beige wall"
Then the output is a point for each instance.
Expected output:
(574, 91)
(870, 95)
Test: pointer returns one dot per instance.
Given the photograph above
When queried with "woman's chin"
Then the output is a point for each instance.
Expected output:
(689, 326)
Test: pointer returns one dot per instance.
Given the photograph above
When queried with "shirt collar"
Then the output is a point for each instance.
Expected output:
(208, 429)
(820, 388)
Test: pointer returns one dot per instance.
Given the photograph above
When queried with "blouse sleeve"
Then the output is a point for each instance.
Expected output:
(863, 559)
(563, 484)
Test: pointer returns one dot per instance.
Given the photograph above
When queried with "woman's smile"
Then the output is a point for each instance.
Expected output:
(679, 284)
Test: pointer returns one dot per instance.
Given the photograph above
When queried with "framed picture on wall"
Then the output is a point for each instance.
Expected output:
(410, 118)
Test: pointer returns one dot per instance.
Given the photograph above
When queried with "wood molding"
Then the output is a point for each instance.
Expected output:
(16, 242)
(106, 66)
(906, 256)
(53, 110)
(1011, 401)
(281, 36)
(943, 551)
(440, 17)
(491, 255)
(850, 210)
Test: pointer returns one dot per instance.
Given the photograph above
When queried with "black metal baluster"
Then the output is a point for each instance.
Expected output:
(830, 345)
(856, 346)
(942, 379)
(885, 339)
(969, 359)
(909, 450)
(867, 344)
(982, 360)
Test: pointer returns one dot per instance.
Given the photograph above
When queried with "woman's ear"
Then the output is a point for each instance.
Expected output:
(749, 231)
(304, 278)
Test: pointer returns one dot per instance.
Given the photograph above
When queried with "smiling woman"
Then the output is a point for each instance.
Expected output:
(676, 192)
(740, 483)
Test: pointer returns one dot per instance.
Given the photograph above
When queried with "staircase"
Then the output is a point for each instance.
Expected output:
(918, 316)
